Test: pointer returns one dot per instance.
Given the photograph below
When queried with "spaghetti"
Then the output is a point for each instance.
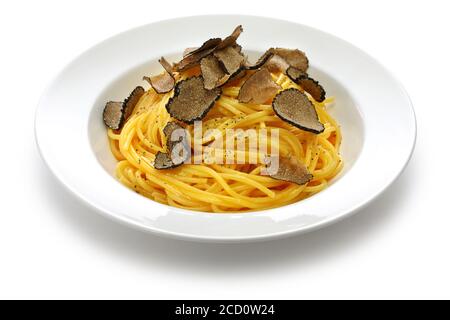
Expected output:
(224, 187)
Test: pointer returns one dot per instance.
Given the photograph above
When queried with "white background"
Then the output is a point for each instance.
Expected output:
(53, 246)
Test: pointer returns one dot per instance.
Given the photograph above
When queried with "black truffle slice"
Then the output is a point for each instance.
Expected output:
(163, 161)
(131, 102)
(242, 72)
(230, 58)
(209, 44)
(113, 115)
(231, 39)
(162, 83)
(191, 101)
(295, 74)
(293, 106)
(175, 134)
(236, 46)
(188, 51)
(193, 57)
(292, 170)
(166, 65)
(191, 60)
(308, 84)
(276, 64)
(116, 113)
(261, 61)
(258, 88)
(313, 87)
(294, 57)
(212, 72)
(177, 145)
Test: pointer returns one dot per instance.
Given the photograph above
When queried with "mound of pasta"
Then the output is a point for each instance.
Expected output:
(217, 133)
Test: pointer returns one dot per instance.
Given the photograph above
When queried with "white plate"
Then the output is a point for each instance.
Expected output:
(374, 111)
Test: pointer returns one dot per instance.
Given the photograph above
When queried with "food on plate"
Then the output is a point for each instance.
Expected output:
(216, 132)
(291, 169)
(307, 83)
(191, 101)
(116, 113)
(258, 88)
(294, 107)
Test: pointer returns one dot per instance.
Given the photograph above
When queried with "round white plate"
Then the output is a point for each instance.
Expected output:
(374, 111)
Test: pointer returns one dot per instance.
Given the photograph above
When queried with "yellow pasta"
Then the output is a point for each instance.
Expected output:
(228, 188)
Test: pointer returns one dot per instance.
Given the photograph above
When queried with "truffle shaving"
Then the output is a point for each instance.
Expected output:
(209, 44)
(294, 58)
(177, 146)
(292, 170)
(276, 64)
(191, 101)
(237, 47)
(113, 115)
(230, 58)
(293, 106)
(313, 88)
(231, 39)
(166, 65)
(188, 51)
(162, 83)
(295, 74)
(242, 72)
(163, 161)
(131, 102)
(259, 88)
(192, 60)
(212, 72)
(193, 57)
(261, 61)
(175, 134)
(307, 83)
(116, 113)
